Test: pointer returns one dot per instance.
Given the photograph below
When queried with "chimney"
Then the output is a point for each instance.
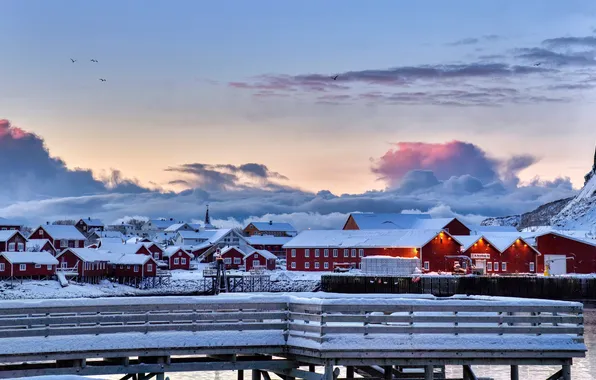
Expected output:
(270, 222)
(48, 223)
(171, 219)
(89, 218)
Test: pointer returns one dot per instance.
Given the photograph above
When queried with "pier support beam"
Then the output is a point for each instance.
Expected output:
(256, 374)
(240, 374)
(566, 372)
(388, 372)
(328, 374)
(514, 372)
(311, 368)
(350, 372)
(429, 372)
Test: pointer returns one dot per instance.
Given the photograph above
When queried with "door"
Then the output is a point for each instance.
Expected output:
(558, 264)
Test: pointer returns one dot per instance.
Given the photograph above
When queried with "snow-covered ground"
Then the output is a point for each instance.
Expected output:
(182, 282)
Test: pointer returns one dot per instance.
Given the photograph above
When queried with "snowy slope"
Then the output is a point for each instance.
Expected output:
(538, 217)
(580, 213)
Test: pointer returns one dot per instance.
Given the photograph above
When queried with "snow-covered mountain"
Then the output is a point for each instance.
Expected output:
(540, 217)
(580, 213)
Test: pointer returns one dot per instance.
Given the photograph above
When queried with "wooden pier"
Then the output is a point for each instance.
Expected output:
(330, 337)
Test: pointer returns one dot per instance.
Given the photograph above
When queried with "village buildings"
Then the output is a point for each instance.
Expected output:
(60, 236)
(88, 225)
(270, 228)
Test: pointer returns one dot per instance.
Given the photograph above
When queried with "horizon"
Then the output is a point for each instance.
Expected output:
(468, 109)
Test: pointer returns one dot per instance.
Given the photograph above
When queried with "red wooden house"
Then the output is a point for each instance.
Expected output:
(125, 248)
(500, 253)
(41, 245)
(90, 264)
(233, 257)
(567, 252)
(177, 258)
(12, 241)
(61, 236)
(273, 244)
(155, 250)
(38, 265)
(260, 259)
(8, 224)
(134, 266)
(321, 250)
(89, 224)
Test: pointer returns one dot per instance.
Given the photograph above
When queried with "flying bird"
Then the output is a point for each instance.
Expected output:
(73, 60)
(93, 60)
(335, 77)
(538, 64)
(101, 79)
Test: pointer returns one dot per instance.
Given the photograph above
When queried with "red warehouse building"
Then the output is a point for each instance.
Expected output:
(134, 266)
(395, 221)
(273, 244)
(500, 254)
(61, 236)
(12, 241)
(177, 258)
(233, 257)
(320, 250)
(125, 248)
(38, 265)
(155, 250)
(567, 252)
(260, 259)
(91, 265)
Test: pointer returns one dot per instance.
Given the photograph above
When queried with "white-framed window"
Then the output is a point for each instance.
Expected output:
(37, 266)
(11, 247)
(346, 252)
(532, 266)
(227, 260)
(503, 267)
(335, 252)
(23, 267)
(293, 253)
(49, 267)
(256, 263)
(156, 255)
(76, 244)
(293, 265)
(496, 266)
(21, 247)
(64, 264)
(237, 260)
(121, 266)
(63, 243)
(149, 267)
(1, 267)
(40, 232)
(489, 266)
(326, 265)
(317, 252)
(427, 265)
(307, 252)
(183, 261)
(361, 252)
(176, 261)
(326, 252)
(136, 268)
(317, 265)
(128, 267)
(307, 265)
(353, 252)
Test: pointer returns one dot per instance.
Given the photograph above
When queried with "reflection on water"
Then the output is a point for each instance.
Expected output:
(582, 368)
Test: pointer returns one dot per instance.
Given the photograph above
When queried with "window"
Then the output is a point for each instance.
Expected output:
(503, 267)
(49, 267)
(293, 265)
(183, 261)
(121, 266)
(149, 267)
(64, 264)
(237, 260)
(317, 265)
(361, 253)
(156, 255)
(76, 244)
(37, 266)
(256, 263)
(307, 252)
(40, 232)
(128, 267)
(11, 247)
(335, 253)
(21, 247)
(346, 252)
(23, 267)
(306, 265)
(1, 267)
(63, 243)
(353, 253)
(426, 265)
(326, 265)
(176, 261)
(532, 267)
(496, 266)
(489, 266)
(136, 268)
(293, 253)
(227, 260)
(326, 253)
(317, 252)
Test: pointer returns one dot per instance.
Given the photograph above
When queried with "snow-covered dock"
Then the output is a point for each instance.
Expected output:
(279, 333)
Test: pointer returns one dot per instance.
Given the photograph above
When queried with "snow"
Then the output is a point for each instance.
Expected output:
(580, 213)
(7, 234)
(270, 227)
(110, 234)
(88, 254)
(432, 224)
(372, 221)
(132, 259)
(62, 232)
(110, 240)
(479, 229)
(90, 222)
(266, 254)
(174, 249)
(9, 222)
(43, 258)
(159, 224)
(267, 240)
(121, 247)
(397, 238)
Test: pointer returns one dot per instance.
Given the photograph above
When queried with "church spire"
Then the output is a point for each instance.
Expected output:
(208, 224)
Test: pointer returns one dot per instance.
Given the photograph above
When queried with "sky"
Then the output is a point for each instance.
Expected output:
(462, 108)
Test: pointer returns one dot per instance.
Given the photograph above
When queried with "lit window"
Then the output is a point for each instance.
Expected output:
(426, 265)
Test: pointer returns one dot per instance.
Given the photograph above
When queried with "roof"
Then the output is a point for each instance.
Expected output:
(267, 240)
(44, 258)
(62, 232)
(581, 236)
(480, 229)
(269, 226)
(231, 247)
(121, 248)
(37, 243)
(175, 227)
(159, 223)
(195, 247)
(110, 234)
(211, 236)
(263, 252)
(7, 234)
(132, 259)
(10, 222)
(149, 245)
(92, 222)
(110, 241)
(173, 249)
(432, 224)
(380, 221)
(88, 254)
(396, 238)
(501, 242)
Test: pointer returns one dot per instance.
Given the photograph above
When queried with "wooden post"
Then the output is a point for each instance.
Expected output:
(240, 374)
(311, 368)
(388, 370)
(256, 374)
(514, 372)
(566, 372)
(350, 372)
(328, 375)
(429, 372)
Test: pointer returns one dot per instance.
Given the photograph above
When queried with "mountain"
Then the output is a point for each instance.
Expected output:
(580, 213)
(539, 217)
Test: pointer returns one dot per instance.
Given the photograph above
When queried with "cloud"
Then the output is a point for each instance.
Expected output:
(566, 42)
(474, 41)
(549, 57)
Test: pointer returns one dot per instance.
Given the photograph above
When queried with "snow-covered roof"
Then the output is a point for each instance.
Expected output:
(267, 240)
(500, 241)
(231, 247)
(160, 223)
(107, 240)
(379, 221)
(88, 254)
(35, 244)
(177, 226)
(195, 247)
(394, 238)
(121, 248)
(9, 222)
(7, 234)
(44, 258)
(110, 234)
(263, 252)
(149, 245)
(586, 237)
(132, 259)
(62, 232)
(479, 230)
(211, 236)
(173, 249)
(274, 226)
(431, 224)
(90, 222)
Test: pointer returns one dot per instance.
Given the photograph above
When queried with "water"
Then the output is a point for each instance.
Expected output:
(582, 369)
